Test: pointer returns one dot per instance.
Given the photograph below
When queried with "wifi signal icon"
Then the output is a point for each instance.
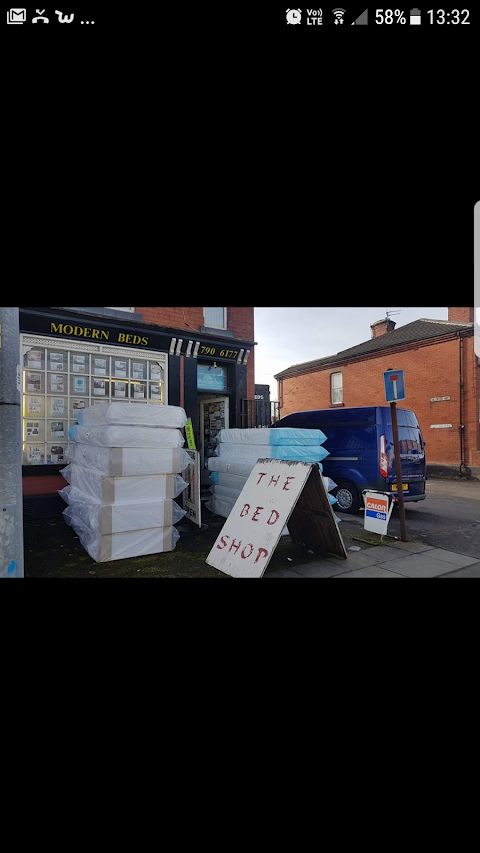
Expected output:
(339, 13)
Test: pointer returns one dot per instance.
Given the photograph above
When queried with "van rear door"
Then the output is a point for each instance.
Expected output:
(412, 454)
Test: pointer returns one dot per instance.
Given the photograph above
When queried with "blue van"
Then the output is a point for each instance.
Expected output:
(360, 443)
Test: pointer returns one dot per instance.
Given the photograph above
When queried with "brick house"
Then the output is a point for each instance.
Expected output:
(199, 358)
(442, 378)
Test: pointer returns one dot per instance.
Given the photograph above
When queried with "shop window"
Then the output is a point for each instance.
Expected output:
(210, 378)
(60, 380)
(215, 317)
(336, 380)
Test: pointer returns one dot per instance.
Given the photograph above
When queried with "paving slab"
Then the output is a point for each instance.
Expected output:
(355, 560)
(282, 573)
(411, 547)
(418, 566)
(468, 572)
(323, 569)
(460, 560)
(384, 553)
(371, 572)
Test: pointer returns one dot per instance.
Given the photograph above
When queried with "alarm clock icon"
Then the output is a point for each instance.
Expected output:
(294, 16)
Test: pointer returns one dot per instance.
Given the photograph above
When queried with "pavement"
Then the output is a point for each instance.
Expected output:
(392, 560)
(443, 541)
(443, 533)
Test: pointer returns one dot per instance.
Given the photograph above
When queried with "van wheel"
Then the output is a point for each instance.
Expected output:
(347, 497)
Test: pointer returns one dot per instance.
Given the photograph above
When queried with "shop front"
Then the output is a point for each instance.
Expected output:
(71, 361)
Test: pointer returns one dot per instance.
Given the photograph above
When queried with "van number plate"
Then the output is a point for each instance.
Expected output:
(404, 487)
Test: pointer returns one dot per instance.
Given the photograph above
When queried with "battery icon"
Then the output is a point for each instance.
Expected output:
(415, 16)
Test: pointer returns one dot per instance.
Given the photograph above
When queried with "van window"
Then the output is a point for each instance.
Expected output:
(409, 440)
(337, 387)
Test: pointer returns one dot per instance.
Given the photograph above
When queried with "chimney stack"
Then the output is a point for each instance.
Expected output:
(381, 327)
(461, 315)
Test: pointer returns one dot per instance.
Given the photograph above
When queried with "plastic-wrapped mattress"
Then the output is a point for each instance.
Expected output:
(133, 413)
(120, 546)
(123, 490)
(230, 465)
(118, 518)
(300, 453)
(285, 435)
(126, 436)
(126, 461)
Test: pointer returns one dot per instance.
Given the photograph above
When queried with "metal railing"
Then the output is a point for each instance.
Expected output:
(259, 414)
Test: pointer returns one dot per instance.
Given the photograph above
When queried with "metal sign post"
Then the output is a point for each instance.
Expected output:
(398, 470)
(394, 391)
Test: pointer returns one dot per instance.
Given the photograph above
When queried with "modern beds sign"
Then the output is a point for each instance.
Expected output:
(90, 333)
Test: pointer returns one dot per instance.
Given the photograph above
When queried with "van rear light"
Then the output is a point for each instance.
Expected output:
(383, 457)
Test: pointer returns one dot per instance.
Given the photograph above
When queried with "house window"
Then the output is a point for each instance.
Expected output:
(120, 309)
(337, 387)
(216, 317)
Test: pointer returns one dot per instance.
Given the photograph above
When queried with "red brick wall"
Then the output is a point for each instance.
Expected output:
(179, 318)
(239, 321)
(460, 315)
(430, 371)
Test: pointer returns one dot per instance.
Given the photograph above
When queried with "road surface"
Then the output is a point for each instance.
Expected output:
(449, 517)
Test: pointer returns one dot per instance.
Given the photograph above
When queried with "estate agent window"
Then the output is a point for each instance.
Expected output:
(60, 378)
(215, 317)
(337, 387)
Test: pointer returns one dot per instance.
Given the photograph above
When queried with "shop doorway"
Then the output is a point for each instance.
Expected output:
(214, 416)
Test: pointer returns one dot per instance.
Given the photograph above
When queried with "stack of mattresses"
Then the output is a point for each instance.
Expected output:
(123, 476)
(237, 452)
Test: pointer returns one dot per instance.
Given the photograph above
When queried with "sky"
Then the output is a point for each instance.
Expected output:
(287, 336)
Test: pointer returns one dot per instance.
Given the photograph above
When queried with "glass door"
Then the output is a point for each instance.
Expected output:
(213, 418)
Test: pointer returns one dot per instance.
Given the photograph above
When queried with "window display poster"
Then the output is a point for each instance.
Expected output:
(34, 382)
(78, 404)
(138, 391)
(57, 384)
(99, 387)
(155, 392)
(58, 429)
(56, 361)
(137, 370)
(79, 363)
(56, 455)
(34, 359)
(33, 429)
(121, 368)
(79, 385)
(120, 388)
(58, 406)
(156, 372)
(34, 405)
(100, 366)
(35, 454)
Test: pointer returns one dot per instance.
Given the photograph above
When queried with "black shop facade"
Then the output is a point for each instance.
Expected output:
(72, 359)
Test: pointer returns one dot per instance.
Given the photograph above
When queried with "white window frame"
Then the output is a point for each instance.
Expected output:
(340, 387)
(211, 325)
(120, 309)
(28, 340)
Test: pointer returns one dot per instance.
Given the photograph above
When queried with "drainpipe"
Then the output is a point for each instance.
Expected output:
(464, 470)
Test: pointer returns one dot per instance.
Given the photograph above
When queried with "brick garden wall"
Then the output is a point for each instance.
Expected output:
(430, 371)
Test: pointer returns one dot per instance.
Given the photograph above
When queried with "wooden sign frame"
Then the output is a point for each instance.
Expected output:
(292, 492)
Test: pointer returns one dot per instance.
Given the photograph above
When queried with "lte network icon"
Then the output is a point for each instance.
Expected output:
(294, 16)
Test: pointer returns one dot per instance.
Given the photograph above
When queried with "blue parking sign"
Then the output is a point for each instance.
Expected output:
(394, 385)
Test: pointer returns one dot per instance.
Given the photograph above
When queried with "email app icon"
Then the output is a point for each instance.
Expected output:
(16, 16)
